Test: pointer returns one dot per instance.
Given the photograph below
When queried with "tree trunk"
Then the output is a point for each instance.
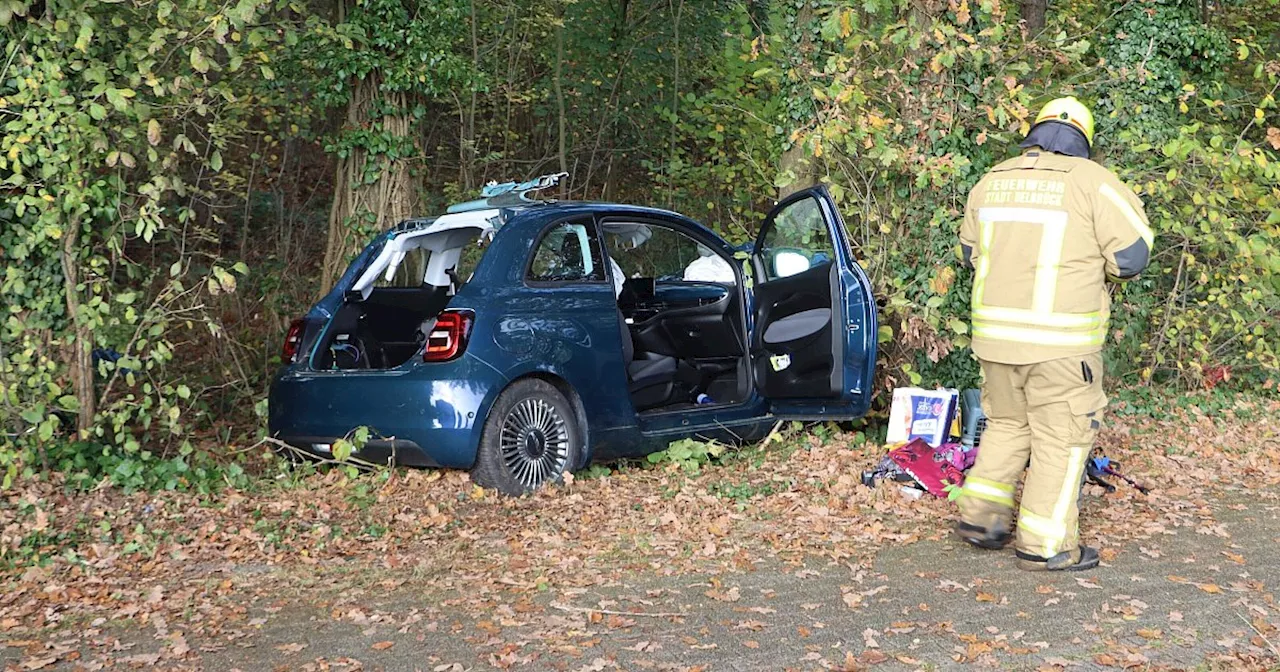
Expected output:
(1033, 12)
(467, 141)
(361, 208)
(675, 104)
(81, 363)
(796, 162)
(560, 113)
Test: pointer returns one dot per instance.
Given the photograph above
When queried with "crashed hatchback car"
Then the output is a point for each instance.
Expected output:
(522, 338)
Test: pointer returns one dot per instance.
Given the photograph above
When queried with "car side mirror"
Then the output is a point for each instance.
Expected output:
(789, 262)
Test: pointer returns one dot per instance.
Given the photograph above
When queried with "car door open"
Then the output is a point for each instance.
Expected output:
(813, 346)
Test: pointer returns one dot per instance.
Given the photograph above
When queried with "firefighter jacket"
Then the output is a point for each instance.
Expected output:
(1043, 233)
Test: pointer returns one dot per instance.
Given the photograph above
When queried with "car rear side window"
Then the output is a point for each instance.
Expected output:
(567, 252)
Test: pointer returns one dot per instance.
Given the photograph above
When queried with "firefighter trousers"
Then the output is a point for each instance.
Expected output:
(1049, 414)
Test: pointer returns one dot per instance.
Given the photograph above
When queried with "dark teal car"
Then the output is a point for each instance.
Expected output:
(521, 338)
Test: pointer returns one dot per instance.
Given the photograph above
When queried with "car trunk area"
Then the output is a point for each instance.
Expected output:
(383, 331)
(389, 311)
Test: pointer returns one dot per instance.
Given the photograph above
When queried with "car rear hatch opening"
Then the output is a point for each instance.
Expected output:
(396, 307)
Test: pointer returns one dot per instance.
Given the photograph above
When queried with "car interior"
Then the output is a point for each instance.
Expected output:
(683, 340)
(387, 325)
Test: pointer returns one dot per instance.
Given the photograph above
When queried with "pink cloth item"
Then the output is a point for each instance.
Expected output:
(958, 457)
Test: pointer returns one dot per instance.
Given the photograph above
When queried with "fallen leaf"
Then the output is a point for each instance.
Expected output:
(751, 644)
(1273, 137)
(293, 647)
(1149, 633)
(986, 597)
(1211, 588)
(1087, 583)
(872, 657)
(383, 646)
(1175, 617)
(38, 663)
(731, 595)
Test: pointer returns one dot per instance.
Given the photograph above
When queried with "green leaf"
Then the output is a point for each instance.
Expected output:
(342, 450)
(184, 392)
(198, 61)
(116, 98)
(85, 35)
(226, 281)
(215, 160)
(34, 414)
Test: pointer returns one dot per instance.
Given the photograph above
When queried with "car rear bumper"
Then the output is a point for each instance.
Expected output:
(428, 416)
(376, 451)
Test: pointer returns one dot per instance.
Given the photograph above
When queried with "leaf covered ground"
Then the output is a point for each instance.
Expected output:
(777, 557)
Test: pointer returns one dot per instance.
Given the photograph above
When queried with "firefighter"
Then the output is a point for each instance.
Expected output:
(1044, 232)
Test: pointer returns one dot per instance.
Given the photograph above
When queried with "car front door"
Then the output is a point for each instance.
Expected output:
(813, 347)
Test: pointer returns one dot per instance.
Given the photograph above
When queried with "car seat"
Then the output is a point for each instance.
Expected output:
(652, 378)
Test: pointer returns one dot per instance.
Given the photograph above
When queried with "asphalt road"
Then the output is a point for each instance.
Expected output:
(1199, 596)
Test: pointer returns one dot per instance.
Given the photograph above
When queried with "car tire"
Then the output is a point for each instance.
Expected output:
(531, 436)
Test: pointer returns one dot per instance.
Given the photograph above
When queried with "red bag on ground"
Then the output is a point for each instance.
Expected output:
(931, 469)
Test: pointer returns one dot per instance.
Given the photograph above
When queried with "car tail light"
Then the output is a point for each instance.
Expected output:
(449, 336)
(292, 339)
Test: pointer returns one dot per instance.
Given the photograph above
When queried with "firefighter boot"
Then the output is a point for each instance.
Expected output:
(992, 536)
(1083, 558)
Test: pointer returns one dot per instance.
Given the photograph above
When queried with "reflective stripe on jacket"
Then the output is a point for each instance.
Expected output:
(1044, 232)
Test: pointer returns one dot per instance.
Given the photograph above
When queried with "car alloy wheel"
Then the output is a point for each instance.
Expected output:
(535, 442)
